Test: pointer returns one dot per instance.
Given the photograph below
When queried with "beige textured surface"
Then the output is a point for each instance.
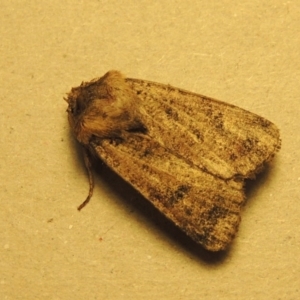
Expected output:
(119, 247)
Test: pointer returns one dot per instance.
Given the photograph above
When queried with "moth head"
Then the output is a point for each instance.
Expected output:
(103, 108)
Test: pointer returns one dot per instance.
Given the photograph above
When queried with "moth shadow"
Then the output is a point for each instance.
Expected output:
(252, 186)
(133, 201)
(154, 219)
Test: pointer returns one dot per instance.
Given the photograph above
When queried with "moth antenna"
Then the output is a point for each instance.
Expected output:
(88, 165)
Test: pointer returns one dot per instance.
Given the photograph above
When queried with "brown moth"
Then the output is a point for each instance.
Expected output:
(188, 154)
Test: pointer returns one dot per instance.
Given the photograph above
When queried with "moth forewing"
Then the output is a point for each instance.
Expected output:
(204, 206)
(226, 140)
(188, 154)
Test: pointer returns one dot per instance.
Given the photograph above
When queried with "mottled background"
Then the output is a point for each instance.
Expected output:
(118, 247)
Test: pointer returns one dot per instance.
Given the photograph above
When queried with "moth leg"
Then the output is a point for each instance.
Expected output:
(88, 165)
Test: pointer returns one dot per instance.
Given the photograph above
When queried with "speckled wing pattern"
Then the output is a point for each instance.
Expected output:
(193, 160)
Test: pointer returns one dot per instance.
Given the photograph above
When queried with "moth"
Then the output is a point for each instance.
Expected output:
(188, 154)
